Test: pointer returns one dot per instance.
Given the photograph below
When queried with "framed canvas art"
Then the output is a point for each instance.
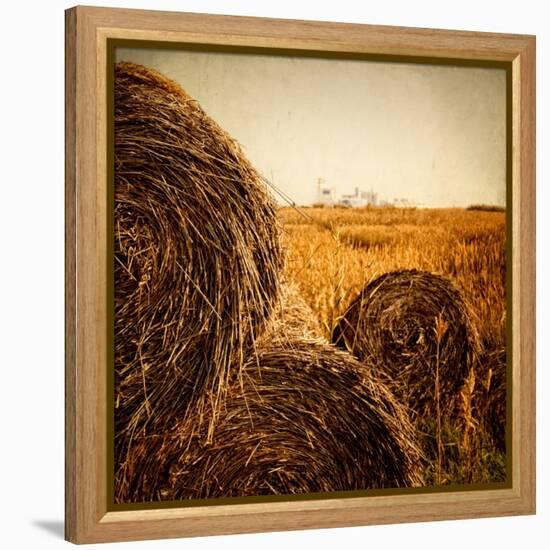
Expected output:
(300, 274)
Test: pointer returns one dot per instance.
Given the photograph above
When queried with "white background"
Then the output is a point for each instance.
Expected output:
(31, 285)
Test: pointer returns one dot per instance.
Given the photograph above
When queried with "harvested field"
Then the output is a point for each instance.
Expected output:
(333, 255)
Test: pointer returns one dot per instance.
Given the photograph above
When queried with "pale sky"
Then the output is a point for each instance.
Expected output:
(432, 134)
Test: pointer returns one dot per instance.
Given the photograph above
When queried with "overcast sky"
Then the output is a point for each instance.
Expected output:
(433, 134)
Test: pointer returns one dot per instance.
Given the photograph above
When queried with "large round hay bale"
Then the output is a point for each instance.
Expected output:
(416, 328)
(302, 417)
(197, 253)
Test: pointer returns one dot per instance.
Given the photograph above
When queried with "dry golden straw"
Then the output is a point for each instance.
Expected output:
(302, 417)
(197, 255)
(415, 327)
(491, 396)
(293, 317)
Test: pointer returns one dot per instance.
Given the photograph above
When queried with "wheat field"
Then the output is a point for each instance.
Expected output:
(332, 253)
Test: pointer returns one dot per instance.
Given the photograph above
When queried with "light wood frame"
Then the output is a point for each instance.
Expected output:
(87, 517)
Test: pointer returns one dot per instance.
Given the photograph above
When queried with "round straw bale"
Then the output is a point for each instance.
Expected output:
(197, 252)
(415, 327)
(302, 417)
(292, 316)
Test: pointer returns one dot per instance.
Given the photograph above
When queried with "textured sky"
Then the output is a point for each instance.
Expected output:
(433, 134)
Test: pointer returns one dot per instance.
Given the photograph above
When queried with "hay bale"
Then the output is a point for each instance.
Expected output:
(293, 317)
(302, 417)
(197, 254)
(410, 324)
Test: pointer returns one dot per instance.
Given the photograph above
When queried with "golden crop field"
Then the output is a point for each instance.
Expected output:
(332, 253)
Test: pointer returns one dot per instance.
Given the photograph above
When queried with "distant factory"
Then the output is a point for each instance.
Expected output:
(326, 196)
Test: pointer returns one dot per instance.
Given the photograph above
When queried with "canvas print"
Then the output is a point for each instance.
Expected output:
(310, 280)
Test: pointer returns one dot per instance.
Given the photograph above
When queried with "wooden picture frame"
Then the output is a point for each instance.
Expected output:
(88, 517)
